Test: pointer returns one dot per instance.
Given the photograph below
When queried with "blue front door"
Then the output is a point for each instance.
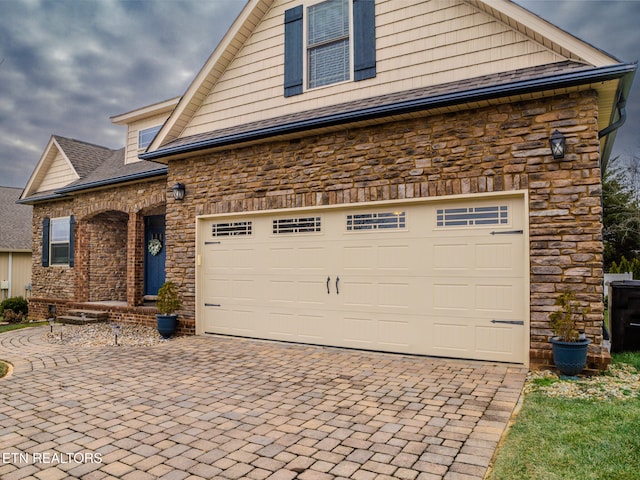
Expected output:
(155, 254)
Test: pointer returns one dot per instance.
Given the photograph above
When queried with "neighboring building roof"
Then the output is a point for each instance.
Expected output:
(15, 221)
(95, 166)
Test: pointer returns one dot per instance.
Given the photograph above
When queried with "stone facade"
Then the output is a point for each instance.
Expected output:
(492, 149)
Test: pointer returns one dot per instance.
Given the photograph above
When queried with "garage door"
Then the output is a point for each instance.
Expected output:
(443, 279)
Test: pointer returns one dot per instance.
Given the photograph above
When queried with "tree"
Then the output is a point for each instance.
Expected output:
(621, 215)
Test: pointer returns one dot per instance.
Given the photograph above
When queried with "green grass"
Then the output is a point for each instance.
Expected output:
(559, 438)
(16, 326)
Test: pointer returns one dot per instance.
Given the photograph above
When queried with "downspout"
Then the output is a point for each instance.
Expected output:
(622, 111)
(10, 275)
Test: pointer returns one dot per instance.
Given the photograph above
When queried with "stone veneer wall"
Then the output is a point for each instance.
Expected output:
(493, 149)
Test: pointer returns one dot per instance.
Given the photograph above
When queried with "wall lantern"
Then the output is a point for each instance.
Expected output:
(558, 144)
(178, 191)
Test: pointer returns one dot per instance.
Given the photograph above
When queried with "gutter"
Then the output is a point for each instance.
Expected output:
(111, 181)
(621, 105)
(521, 87)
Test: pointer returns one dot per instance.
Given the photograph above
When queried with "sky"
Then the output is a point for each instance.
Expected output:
(67, 66)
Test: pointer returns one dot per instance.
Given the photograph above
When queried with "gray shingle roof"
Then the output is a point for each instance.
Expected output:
(15, 221)
(84, 157)
(505, 78)
(97, 166)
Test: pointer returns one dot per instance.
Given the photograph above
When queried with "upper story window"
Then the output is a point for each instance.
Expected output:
(146, 136)
(328, 43)
(324, 37)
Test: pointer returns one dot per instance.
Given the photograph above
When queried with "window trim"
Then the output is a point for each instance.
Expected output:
(48, 258)
(306, 49)
(146, 131)
(362, 35)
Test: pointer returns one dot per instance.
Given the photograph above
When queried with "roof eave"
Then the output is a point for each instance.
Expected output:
(115, 180)
(63, 192)
(520, 87)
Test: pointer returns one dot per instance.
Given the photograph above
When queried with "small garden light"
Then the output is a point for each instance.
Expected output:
(51, 322)
(116, 330)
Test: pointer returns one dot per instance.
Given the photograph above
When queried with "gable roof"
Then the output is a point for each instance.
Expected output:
(93, 166)
(566, 50)
(15, 222)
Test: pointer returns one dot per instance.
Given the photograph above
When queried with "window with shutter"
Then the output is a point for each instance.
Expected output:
(330, 32)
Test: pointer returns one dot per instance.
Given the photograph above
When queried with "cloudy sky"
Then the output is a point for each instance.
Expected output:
(69, 65)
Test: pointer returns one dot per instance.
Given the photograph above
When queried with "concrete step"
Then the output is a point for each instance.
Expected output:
(83, 317)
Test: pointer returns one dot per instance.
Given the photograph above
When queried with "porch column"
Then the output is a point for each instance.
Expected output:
(81, 261)
(135, 260)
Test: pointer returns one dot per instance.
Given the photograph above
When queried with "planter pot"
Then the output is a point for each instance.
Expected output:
(570, 357)
(167, 324)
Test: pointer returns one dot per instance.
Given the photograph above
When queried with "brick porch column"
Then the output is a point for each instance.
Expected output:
(81, 262)
(135, 259)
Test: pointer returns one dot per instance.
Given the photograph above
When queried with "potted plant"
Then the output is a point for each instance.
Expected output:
(167, 304)
(568, 343)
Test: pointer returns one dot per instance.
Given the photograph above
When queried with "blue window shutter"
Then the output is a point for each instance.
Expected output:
(45, 241)
(293, 46)
(364, 39)
(72, 225)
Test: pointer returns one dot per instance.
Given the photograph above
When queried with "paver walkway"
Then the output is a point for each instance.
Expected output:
(216, 407)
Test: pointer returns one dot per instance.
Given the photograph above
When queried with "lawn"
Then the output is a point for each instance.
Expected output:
(562, 438)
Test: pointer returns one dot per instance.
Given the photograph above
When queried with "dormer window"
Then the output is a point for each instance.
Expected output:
(146, 136)
(330, 32)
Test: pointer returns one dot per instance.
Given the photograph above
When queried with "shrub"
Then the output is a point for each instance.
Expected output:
(17, 304)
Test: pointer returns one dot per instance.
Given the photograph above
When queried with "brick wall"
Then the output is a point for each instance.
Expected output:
(490, 149)
(109, 247)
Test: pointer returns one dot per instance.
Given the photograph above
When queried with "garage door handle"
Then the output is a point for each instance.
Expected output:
(328, 280)
(337, 288)
(509, 322)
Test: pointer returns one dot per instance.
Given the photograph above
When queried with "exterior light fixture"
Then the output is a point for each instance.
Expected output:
(178, 191)
(558, 144)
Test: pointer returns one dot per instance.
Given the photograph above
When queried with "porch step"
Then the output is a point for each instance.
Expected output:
(83, 317)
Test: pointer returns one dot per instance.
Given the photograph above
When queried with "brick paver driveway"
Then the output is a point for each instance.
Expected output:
(214, 407)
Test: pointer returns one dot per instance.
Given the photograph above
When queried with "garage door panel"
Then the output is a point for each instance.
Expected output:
(426, 278)
(451, 338)
(496, 298)
(496, 343)
(452, 297)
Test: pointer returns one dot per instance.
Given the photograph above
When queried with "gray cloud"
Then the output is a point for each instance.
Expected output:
(69, 65)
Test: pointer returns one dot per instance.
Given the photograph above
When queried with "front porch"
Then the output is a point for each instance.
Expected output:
(115, 311)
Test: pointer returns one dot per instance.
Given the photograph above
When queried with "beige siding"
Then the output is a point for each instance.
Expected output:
(418, 45)
(58, 174)
(134, 128)
(20, 272)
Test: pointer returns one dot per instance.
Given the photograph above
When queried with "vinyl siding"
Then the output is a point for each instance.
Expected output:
(20, 269)
(58, 174)
(418, 44)
(134, 128)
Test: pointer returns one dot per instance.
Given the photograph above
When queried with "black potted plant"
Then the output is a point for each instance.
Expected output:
(167, 304)
(568, 343)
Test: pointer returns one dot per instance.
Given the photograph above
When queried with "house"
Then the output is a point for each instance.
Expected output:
(363, 174)
(15, 245)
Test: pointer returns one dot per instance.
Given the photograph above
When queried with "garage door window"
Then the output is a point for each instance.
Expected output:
(231, 229)
(376, 221)
(297, 225)
(469, 216)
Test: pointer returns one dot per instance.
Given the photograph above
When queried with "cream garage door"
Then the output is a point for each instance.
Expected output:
(443, 279)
